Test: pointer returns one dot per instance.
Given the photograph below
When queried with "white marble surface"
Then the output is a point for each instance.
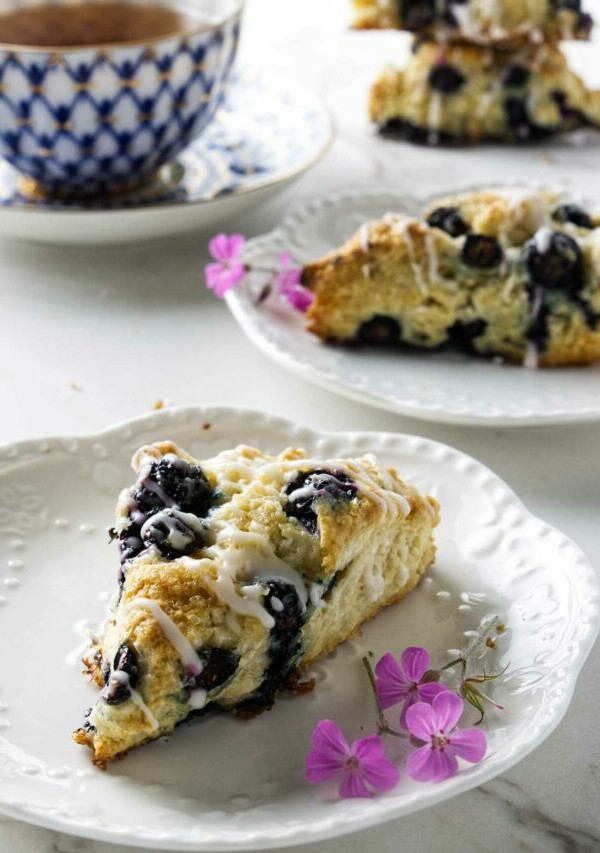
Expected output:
(91, 337)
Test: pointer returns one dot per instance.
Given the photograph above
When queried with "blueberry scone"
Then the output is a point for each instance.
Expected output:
(236, 574)
(505, 23)
(463, 94)
(510, 273)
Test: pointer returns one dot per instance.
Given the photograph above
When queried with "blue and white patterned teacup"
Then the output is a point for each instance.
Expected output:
(91, 120)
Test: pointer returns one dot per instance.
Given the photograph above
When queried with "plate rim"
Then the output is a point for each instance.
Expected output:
(311, 373)
(332, 826)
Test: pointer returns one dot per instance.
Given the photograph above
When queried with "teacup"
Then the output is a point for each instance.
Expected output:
(86, 119)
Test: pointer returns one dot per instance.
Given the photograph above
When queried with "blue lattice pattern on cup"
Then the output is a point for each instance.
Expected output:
(92, 120)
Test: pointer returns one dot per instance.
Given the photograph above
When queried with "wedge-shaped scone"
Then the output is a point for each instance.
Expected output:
(512, 273)
(239, 572)
(459, 93)
(506, 23)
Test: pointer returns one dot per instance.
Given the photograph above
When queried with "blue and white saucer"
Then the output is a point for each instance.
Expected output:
(265, 134)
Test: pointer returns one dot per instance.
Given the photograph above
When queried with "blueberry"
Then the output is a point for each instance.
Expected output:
(573, 213)
(572, 5)
(219, 666)
(482, 252)
(126, 662)
(518, 117)
(130, 544)
(555, 262)
(335, 486)
(584, 24)
(446, 78)
(174, 483)
(419, 14)
(515, 76)
(449, 220)
(283, 603)
(172, 534)
(379, 331)
(462, 335)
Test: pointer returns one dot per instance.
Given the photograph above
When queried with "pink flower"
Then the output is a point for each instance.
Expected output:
(404, 683)
(229, 270)
(435, 725)
(363, 766)
(287, 282)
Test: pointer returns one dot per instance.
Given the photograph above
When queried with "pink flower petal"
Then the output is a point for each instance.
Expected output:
(392, 684)
(448, 708)
(225, 247)
(428, 764)
(352, 784)
(470, 744)
(428, 691)
(328, 738)
(299, 298)
(410, 700)
(375, 768)
(415, 661)
(285, 259)
(421, 721)
(329, 754)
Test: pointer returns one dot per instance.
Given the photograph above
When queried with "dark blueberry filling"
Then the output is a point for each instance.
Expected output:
(482, 252)
(170, 485)
(445, 78)
(573, 213)
(401, 129)
(282, 601)
(174, 483)
(555, 263)
(126, 662)
(418, 15)
(219, 666)
(462, 335)
(517, 116)
(585, 24)
(172, 534)
(515, 76)
(448, 219)
(334, 486)
(379, 331)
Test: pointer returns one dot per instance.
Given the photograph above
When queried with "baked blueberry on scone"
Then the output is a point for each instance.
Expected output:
(464, 94)
(504, 23)
(507, 272)
(236, 574)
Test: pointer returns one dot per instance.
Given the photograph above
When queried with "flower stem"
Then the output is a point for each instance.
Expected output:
(382, 726)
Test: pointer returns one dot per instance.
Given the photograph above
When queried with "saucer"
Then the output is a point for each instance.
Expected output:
(265, 134)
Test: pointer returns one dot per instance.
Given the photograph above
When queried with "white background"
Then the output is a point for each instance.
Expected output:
(89, 337)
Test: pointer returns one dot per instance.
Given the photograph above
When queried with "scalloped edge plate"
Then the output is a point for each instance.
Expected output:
(55, 495)
(446, 388)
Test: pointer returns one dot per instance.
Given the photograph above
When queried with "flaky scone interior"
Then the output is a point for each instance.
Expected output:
(237, 573)
(510, 272)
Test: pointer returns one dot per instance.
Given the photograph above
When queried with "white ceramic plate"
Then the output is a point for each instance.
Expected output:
(225, 784)
(445, 387)
(265, 134)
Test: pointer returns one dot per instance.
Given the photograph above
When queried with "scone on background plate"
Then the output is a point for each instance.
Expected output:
(508, 22)
(513, 273)
(236, 574)
(462, 93)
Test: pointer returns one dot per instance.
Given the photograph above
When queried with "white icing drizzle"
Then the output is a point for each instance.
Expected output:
(531, 360)
(121, 677)
(366, 271)
(189, 658)
(198, 698)
(363, 236)
(542, 239)
(176, 537)
(315, 595)
(400, 225)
